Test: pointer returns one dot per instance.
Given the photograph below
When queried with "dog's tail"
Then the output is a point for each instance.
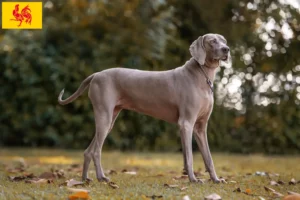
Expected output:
(76, 94)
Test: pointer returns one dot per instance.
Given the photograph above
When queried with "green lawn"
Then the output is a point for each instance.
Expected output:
(153, 170)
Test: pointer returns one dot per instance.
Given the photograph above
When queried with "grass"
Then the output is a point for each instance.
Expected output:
(153, 171)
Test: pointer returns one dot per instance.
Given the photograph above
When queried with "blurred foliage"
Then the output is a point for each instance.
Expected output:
(261, 114)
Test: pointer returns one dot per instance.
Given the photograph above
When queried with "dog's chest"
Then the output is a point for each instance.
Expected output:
(205, 104)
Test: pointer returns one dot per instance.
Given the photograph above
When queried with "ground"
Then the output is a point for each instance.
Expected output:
(147, 175)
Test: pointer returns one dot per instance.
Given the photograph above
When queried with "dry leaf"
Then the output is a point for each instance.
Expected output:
(292, 197)
(213, 197)
(170, 186)
(258, 173)
(47, 175)
(113, 185)
(280, 182)
(79, 195)
(248, 191)
(277, 194)
(183, 188)
(294, 193)
(232, 182)
(274, 183)
(130, 172)
(237, 190)
(39, 181)
(20, 178)
(72, 182)
(111, 172)
(261, 198)
(78, 190)
(180, 177)
(269, 189)
(154, 196)
(186, 197)
(292, 182)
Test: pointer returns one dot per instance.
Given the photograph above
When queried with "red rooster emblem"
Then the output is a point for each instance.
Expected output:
(24, 15)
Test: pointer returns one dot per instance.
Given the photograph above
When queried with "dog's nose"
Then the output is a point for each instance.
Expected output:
(225, 49)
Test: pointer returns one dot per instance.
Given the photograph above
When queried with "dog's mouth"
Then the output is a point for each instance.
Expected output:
(224, 58)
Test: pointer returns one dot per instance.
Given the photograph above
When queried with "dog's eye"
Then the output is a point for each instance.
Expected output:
(214, 41)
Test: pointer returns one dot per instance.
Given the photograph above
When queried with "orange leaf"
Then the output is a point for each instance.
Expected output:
(79, 195)
(248, 191)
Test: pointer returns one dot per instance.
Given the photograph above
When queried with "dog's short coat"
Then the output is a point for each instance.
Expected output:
(181, 96)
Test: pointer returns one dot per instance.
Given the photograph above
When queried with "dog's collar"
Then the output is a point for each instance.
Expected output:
(209, 83)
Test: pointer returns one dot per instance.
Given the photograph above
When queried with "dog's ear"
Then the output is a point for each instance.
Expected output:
(197, 50)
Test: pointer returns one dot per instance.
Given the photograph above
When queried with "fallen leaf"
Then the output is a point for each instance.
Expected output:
(213, 196)
(292, 182)
(170, 186)
(72, 182)
(248, 191)
(47, 175)
(183, 188)
(277, 194)
(294, 193)
(274, 183)
(292, 197)
(130, 172)
(237, 190)
(111, 172)
(158, 175)
(78, 190)
(248, 174)
(20, 178)
(113, 185)
(186, 197)
(180, 177)
(79, 195)
(280, 182)
(59, 173)
(258, 173)
(261, 198)
(271, 174)
(269, 189)
(39, 181)
(154, 196)
(232, 182)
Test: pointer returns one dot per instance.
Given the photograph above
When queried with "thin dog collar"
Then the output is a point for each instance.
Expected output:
(209, 83)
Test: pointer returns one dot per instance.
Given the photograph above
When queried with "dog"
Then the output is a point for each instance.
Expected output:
(183, 95)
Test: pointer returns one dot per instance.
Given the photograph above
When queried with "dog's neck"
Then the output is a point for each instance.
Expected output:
(209, 67)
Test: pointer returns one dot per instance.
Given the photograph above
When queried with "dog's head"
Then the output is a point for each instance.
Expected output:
(210, 47)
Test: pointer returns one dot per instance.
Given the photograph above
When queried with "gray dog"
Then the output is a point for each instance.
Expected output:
(183, 95)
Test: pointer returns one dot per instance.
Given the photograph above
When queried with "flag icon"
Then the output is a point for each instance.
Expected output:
(22, 15)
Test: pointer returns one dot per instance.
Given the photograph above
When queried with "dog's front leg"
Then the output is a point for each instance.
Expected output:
(200, 130)
(186, 132)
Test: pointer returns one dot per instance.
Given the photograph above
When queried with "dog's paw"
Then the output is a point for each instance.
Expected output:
(221, 180)
(103, 179)
(195, 180)
(87, 180)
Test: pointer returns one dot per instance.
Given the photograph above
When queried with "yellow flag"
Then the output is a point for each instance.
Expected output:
(22, 15)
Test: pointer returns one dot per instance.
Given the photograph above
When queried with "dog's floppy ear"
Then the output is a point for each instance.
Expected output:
(197, 50)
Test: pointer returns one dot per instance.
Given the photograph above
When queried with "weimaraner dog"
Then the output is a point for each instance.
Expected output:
(183, 95)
